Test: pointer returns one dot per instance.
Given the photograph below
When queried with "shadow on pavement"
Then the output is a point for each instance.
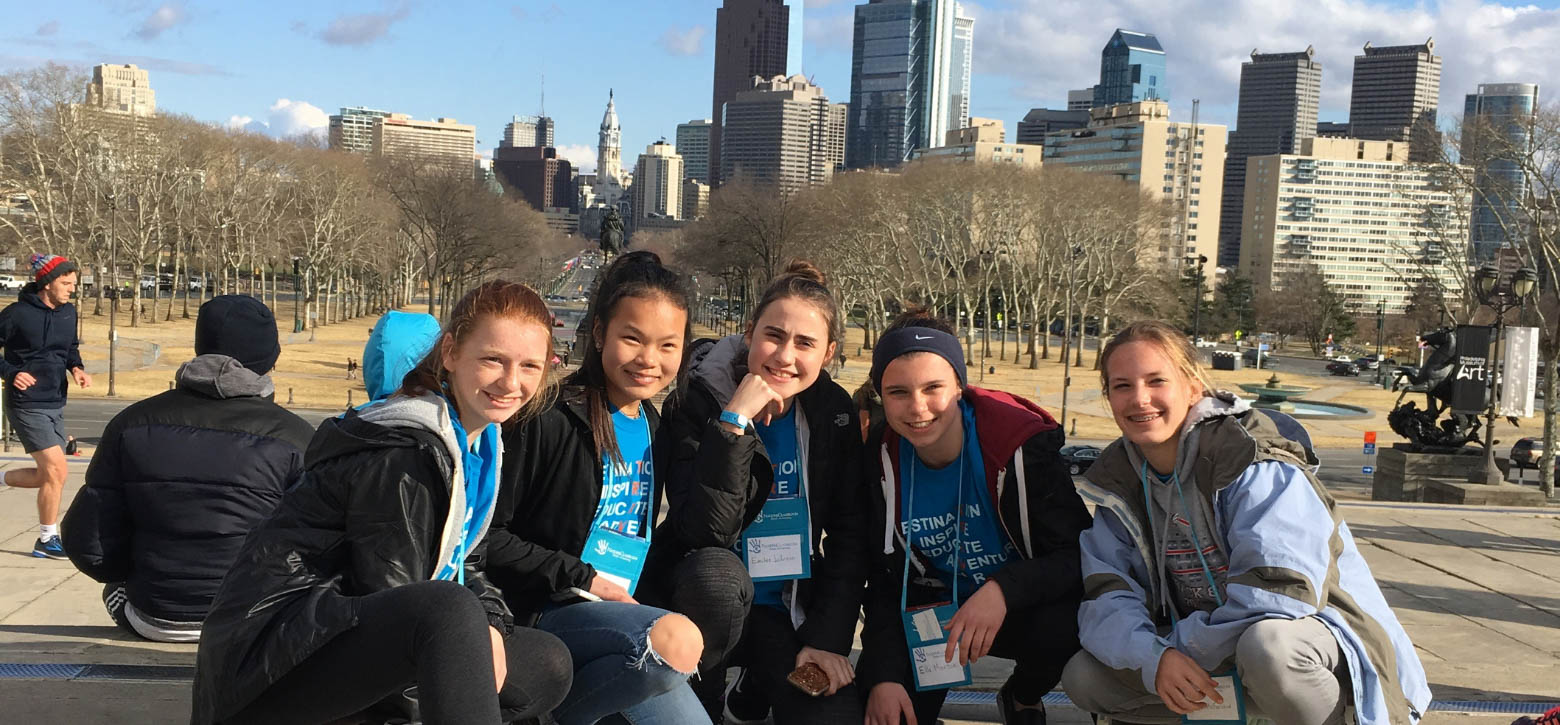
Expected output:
(1473, 540)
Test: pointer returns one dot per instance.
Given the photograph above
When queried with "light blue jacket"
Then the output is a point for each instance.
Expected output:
(1290, 556)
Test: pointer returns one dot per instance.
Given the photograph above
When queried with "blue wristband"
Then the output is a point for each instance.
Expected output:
(737, 419)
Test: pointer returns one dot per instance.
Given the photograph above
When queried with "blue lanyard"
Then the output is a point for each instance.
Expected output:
(1175, 477)
(958, 533)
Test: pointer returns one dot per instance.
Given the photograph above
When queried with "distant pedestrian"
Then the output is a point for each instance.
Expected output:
(38, 332)
(352, 367)
(162, 530)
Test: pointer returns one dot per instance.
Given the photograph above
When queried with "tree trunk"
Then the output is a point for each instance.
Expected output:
(1546, 463)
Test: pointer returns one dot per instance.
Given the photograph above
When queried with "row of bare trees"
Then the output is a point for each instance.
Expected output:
(224, 211)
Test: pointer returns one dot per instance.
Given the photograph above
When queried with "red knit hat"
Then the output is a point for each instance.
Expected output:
(48, 267)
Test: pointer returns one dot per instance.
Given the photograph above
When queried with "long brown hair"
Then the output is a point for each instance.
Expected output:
(803, 279)
(501, 299)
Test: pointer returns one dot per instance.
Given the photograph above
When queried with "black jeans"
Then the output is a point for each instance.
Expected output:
(1038, 639)
(711, 587)
(768, 650)
(433, 635)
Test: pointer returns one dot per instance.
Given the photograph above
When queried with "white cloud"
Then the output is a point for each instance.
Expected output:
(683, 42)
(164, 17)
(1046, 47)
(581, 156)
(284, 119)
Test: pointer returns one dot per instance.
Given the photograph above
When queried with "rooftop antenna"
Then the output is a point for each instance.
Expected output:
(542, 111)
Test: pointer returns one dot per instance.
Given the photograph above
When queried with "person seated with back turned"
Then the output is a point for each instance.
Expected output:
(180, 478)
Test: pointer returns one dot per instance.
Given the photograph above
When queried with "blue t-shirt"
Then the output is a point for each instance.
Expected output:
(779, 439)
(625, 488)
(930, 525)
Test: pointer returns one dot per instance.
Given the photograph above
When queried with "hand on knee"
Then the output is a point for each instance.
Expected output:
(677, 641)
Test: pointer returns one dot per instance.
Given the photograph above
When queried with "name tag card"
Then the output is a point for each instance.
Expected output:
(1231, 712)
(926, 635)
(775, 546)
(618, 557)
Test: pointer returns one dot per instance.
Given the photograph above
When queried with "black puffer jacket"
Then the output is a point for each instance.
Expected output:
(371, 511)
(39, 340)
(169, 526)
(716, 484)
(547, 500)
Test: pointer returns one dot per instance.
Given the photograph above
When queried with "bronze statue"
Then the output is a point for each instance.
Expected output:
(611, 235)
(1421, 426)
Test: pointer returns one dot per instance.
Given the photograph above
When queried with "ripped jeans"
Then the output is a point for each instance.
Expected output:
(615, 670)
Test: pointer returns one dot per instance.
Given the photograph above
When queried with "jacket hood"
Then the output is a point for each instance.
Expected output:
(398, 342)
(223, 377)
(33, 295)
(719, 365)
(1002, 420)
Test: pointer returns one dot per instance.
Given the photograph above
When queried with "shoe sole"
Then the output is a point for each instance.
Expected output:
(41, 555)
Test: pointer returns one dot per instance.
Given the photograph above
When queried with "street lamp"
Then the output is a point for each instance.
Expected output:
(1381, 316)
(1077, 251)
(113, 281)
(1200, 259)
(1501, 300)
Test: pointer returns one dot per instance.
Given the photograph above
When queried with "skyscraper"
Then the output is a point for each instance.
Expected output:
(1396, 89)
(783, 133)
(443, 141)
(1495, 135)
(1132, 69)
(658, 183)
(121, 89)
(353, 129)
(537, 175)
(750, 40)
(527, 131)
(1081, 99)
(609, 155)
(904, 75)
(1279, 93)
(693, 144)
(1042, 121)
(961, 54)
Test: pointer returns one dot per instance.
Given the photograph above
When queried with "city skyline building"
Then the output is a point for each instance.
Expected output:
(783, 133)
(1497, 132)
(1275, 113)
(693, 144)
(121, 89)
(695, 199)
(984, 141)
(658, 183)
(609, 186)
(1394, 96)
(538, 175)
(1132, 69)
(751, 38)
(1040, 122)
(1355, 209)
(1081, 99)
(527, 131)
(442, 141)
(904, 78)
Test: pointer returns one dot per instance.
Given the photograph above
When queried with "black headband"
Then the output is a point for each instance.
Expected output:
(906, 340)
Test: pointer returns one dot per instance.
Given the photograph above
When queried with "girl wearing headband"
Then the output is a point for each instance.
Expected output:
(978, 535)
(1219, 579)
(764, 539)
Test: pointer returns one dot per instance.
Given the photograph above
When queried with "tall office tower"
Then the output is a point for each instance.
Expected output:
(1081, 99)
(658, 183)
(538, 175)
(1396, 89)
(1132, 69)
(693, 144)
(1279, 93)
(1496, 132)
(353, 129)
(783, 133)
(750, 40)
(1042, 121)
(1305, 208)
(121, 89)
(396, 135)
(902, 79)
(609, 155)
(961, 54)
(695, 198)
(527, 131)
(1332, 129)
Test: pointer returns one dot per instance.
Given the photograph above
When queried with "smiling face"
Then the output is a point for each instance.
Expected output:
(1149, 398)
(642, 349)
(920, 401)
(788, 345)
(496, 369)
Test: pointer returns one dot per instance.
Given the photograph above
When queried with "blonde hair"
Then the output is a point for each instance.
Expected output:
(1170, 341)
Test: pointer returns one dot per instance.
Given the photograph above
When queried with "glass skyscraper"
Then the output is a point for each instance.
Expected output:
(1132, 69)
(1496, 133)
(909, 79)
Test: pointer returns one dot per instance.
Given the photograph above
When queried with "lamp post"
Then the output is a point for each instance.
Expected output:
(1067, 334)
(1381, 315)
(113, 281)
(297, 295)
(1501, 299)
(1200, 259)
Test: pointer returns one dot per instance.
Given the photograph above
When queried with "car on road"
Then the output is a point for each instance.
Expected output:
(1367, 363)
(1526, 452)
(11, 282)
(1338, 367)
(1205, 342)
(1079, 458)
(1250, 356)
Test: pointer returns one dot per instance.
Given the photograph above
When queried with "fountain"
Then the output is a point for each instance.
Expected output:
(1274, 395)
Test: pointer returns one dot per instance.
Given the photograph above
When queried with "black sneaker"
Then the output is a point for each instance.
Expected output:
(745, 704)
(1015, 713)
(49, 548)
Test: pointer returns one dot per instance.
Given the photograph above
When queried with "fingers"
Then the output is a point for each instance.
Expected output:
(907, 708)
(955, 631)
(1206, 686)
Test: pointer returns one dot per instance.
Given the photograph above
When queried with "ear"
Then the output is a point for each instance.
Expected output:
(447, 351)
(828, 353)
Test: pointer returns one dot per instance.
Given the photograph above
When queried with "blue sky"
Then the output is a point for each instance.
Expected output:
(286, 64)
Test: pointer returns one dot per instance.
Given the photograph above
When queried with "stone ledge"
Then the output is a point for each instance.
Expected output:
(1482, 494)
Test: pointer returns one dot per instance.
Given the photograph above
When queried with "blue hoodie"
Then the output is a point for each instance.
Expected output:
(399, 341)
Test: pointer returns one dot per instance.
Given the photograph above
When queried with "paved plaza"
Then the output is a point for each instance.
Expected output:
(1477, 588)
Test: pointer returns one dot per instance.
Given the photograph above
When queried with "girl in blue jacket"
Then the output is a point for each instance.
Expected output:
(1219, 582)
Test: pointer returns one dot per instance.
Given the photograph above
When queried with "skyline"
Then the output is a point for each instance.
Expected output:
(286, 67)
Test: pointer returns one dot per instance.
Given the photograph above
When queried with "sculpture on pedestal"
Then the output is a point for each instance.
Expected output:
(1423, 427)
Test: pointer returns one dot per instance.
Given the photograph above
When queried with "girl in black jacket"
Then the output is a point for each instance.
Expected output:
(756, 427)
(366, 581)
(577, 501)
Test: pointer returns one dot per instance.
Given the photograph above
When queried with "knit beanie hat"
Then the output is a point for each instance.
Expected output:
(48, 267)
(240, 327)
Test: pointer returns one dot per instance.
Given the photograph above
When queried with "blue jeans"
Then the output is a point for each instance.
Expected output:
(615, 670)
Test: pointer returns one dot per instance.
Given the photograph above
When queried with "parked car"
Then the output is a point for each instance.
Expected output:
(1526, 452)
(1205, 342)
(11, 282)
(1367, 363)
(1079, 458)
(1250, 356)
(1337, 367)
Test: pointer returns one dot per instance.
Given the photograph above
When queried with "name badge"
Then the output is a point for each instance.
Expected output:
(775, 545)
(926, 632)
(1231, 712)
(618, 557)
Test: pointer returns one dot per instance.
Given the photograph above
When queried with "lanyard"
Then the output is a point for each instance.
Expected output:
(1175, 477)
(958, 533)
